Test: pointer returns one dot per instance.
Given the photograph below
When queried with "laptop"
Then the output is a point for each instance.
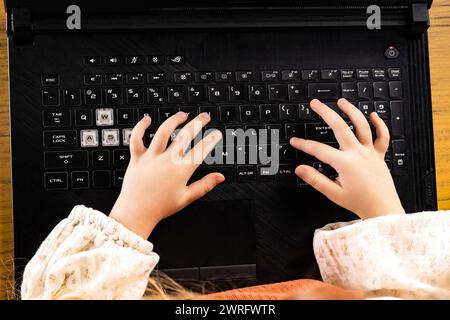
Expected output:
(253, 65)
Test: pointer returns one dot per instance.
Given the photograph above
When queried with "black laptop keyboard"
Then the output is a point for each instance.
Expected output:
(86, 130)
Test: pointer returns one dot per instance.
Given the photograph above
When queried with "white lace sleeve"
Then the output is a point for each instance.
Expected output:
(405, 256)
(89, 256)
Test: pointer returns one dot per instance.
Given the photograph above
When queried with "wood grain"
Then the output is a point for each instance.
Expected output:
(440, 78)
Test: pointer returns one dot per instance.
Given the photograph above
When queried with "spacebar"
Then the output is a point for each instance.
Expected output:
(323, 91)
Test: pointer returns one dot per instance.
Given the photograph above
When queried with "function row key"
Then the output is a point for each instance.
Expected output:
(133, 60)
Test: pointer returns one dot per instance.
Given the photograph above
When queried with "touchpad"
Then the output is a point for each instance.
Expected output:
(207, 233)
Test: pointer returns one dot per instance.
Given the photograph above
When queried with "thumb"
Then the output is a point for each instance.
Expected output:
(198, 189)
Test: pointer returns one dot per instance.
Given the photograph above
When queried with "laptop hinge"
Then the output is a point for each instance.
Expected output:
(21, 26)
(420, 18)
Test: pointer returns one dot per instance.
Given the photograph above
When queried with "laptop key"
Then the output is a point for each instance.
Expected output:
(382, 109)
(166, 112)
(246, 173)
(306, 113)
(135, 60)
(101, 159)
(196, 94)
(218, 93)
(288, 112)
(319, 132)
(268, 112)
(395, 73)
(83, 117)
(114, 96)
(80, 179)
(135, 95)
(310, 75)
(294, 130)
(93, 96)
(244, 76)
(270, 75)
(395, 90)
(121, 158)
(135, 78)
(349, 91)
(60, 139)
(93, 79)
(347, 74)
(50, 80)
(119, 175)
(397, 127)
(297, 92)
(101, 179)
(329, 74)
(156, 95)
(380, 90)
(365, 91)
(114, 78)
(72, 97)
(366, 108)
(278, 92)
(204, 77)
(156, 77)
(89, 138)
(238, 93)
(56, 118)
(249, 113)
(50, 97)
(66, 159)
(228, 114)
(323, 91)
(212, 111)
(56, 180)
(289, 75)
(183, 77)
(258, 93)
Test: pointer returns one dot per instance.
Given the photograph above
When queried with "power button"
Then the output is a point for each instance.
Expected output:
(392, 53)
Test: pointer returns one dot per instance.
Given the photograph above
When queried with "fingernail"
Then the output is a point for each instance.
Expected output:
(219, 179)
(295, 139)
(146, 118)
(182, 114)
(204, 115)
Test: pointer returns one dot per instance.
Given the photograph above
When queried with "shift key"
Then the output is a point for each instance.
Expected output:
(60, 139)
(323, 91)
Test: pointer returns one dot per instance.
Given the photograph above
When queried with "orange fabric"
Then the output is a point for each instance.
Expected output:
(297, 289)
(276, 291)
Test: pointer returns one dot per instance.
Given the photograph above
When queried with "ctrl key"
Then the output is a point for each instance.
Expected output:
(56, 180)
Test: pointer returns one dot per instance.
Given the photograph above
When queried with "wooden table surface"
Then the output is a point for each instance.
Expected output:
(440, 77)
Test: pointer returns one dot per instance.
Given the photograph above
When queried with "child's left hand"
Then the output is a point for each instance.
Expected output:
(155, 184)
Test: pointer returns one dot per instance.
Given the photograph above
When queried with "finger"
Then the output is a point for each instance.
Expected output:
(321, 151)
(358, 119)
(381, 143)
(199, 188)
(319, 182)
(341, 130)
(137, 134)
(162, 135)
(195, 157)
(189, 132)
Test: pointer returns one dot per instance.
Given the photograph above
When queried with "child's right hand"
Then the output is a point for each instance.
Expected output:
(364, 185)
